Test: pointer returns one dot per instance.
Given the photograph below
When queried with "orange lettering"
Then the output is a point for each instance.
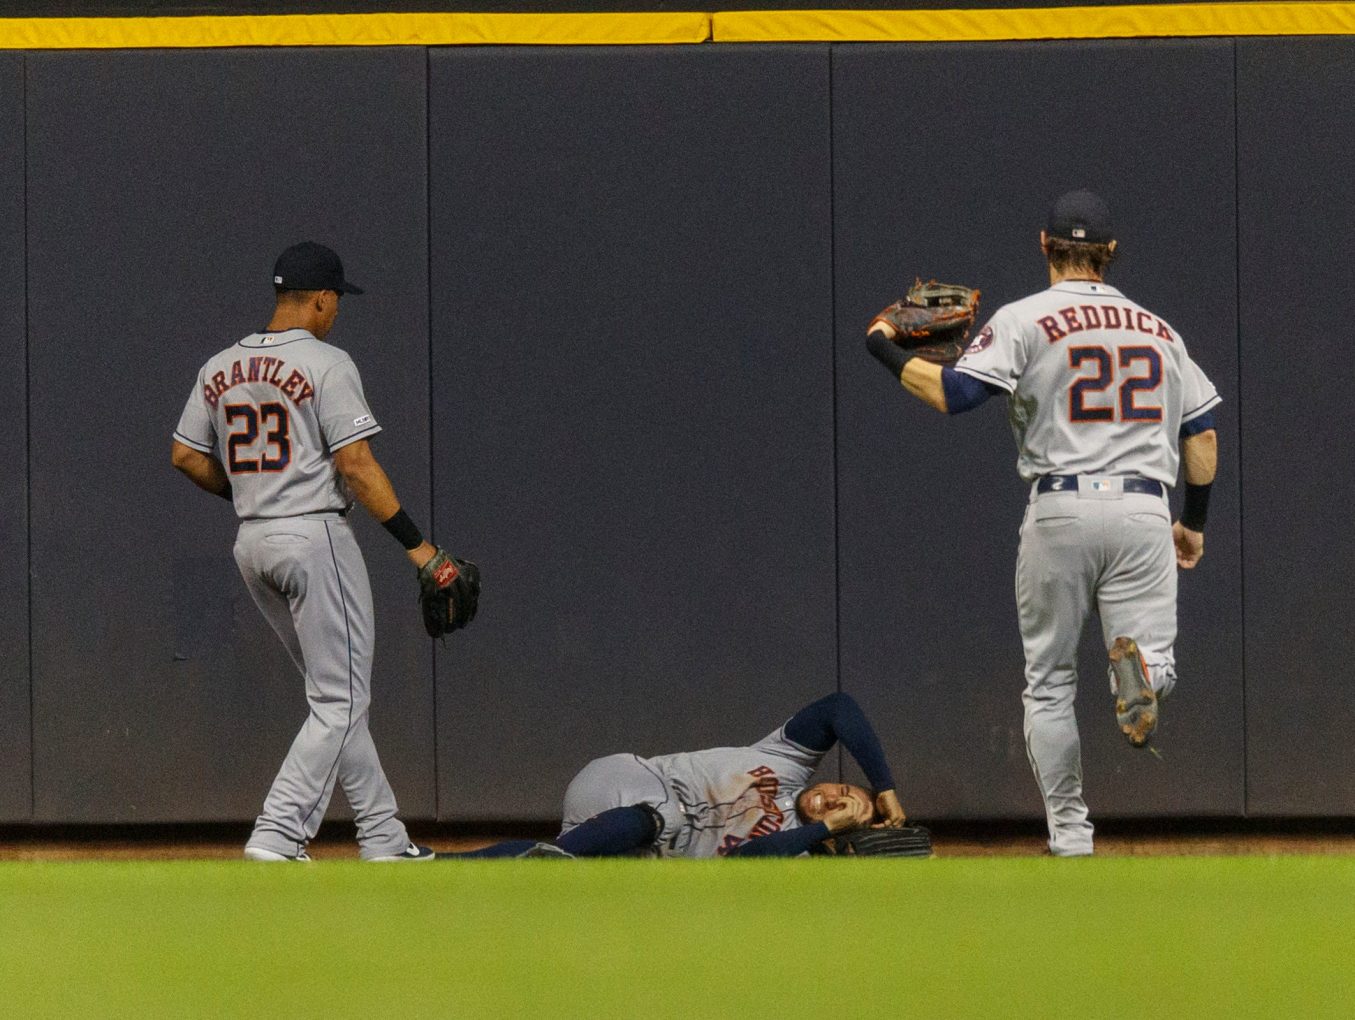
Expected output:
(1070, 317)
(294, 380)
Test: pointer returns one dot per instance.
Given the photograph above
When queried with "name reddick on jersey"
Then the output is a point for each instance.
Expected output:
(1102, 316)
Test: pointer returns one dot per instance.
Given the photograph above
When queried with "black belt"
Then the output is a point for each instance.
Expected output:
(1068, 483)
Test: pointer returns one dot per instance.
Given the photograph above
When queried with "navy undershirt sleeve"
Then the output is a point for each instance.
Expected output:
(1195, 426)
(790, 843)
(838, 717)
(964, 392)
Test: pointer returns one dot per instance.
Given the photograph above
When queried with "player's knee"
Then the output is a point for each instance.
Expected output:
(614, 832)
(652, 826)
(334, 713)
(840, 700)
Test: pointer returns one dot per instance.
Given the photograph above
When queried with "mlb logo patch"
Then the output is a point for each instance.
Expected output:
(1101, 485)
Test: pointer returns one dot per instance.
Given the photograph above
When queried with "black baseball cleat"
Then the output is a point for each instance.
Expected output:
(546, 850)
(1136, 707)
(410, 853)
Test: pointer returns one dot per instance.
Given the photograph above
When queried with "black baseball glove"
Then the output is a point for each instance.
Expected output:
(932, 320)
(449, 593)
(908, 841)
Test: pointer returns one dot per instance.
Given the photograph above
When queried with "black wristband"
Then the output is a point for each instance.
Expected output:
(406, 532)
(1195, 510)
(888, 353)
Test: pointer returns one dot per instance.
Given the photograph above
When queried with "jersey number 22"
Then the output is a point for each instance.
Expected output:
(1145, 364)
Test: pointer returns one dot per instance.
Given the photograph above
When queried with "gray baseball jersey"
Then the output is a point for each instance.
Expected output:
(273, 408)
(1099, 389)
(1098, 384)
(711, 801)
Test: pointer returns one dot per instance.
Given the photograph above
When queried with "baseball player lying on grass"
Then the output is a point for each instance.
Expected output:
(725, 801)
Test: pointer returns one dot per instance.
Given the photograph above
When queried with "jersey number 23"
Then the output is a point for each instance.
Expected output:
(246, 421)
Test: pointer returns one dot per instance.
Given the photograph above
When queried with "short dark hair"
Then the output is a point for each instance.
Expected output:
(1079, 256)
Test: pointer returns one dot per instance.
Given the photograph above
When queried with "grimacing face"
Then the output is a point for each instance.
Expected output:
(821, 798)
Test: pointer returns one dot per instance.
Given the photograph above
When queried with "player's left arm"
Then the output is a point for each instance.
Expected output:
(786, 843)
(803, 838)
(919, 377)
(341, 408)
(838, 717)
(1200, 452)
(202, 469)
(371, 487)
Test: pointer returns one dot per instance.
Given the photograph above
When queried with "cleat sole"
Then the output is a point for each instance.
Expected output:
(1136, 709)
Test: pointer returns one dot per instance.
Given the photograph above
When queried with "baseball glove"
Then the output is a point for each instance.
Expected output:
(908, 841)
(449, 593)
(932, 320)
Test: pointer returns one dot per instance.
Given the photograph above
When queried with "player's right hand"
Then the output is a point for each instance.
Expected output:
(1189, 545)
(890, 810)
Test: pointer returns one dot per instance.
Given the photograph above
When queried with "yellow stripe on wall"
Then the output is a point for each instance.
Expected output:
(1134, 21)
(462, 29)
(352, 30)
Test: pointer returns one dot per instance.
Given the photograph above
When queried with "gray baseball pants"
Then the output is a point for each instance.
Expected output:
(621, 780)
(1102, 549)
(308, 578)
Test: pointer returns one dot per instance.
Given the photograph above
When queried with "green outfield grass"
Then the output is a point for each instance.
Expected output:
(1002, 937)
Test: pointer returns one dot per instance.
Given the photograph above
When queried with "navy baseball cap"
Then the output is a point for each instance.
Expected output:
(1081, 216)
(311, 266)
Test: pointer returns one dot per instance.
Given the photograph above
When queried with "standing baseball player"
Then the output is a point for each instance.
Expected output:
(278, 424)
(1104, 401)
(752, 801)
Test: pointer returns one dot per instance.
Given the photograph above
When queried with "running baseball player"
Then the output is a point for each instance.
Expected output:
(1104, 402)
(278, 424)
(726, 801)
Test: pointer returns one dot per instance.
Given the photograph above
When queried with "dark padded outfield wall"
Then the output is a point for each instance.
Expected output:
(1296, 148)
(15, 760)
(633, 411)
(930, 507)
(162, 186)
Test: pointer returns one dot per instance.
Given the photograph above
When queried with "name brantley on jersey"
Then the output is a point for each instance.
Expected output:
(265, 369)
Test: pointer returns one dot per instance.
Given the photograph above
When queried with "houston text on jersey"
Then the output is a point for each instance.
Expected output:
(768, 786)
